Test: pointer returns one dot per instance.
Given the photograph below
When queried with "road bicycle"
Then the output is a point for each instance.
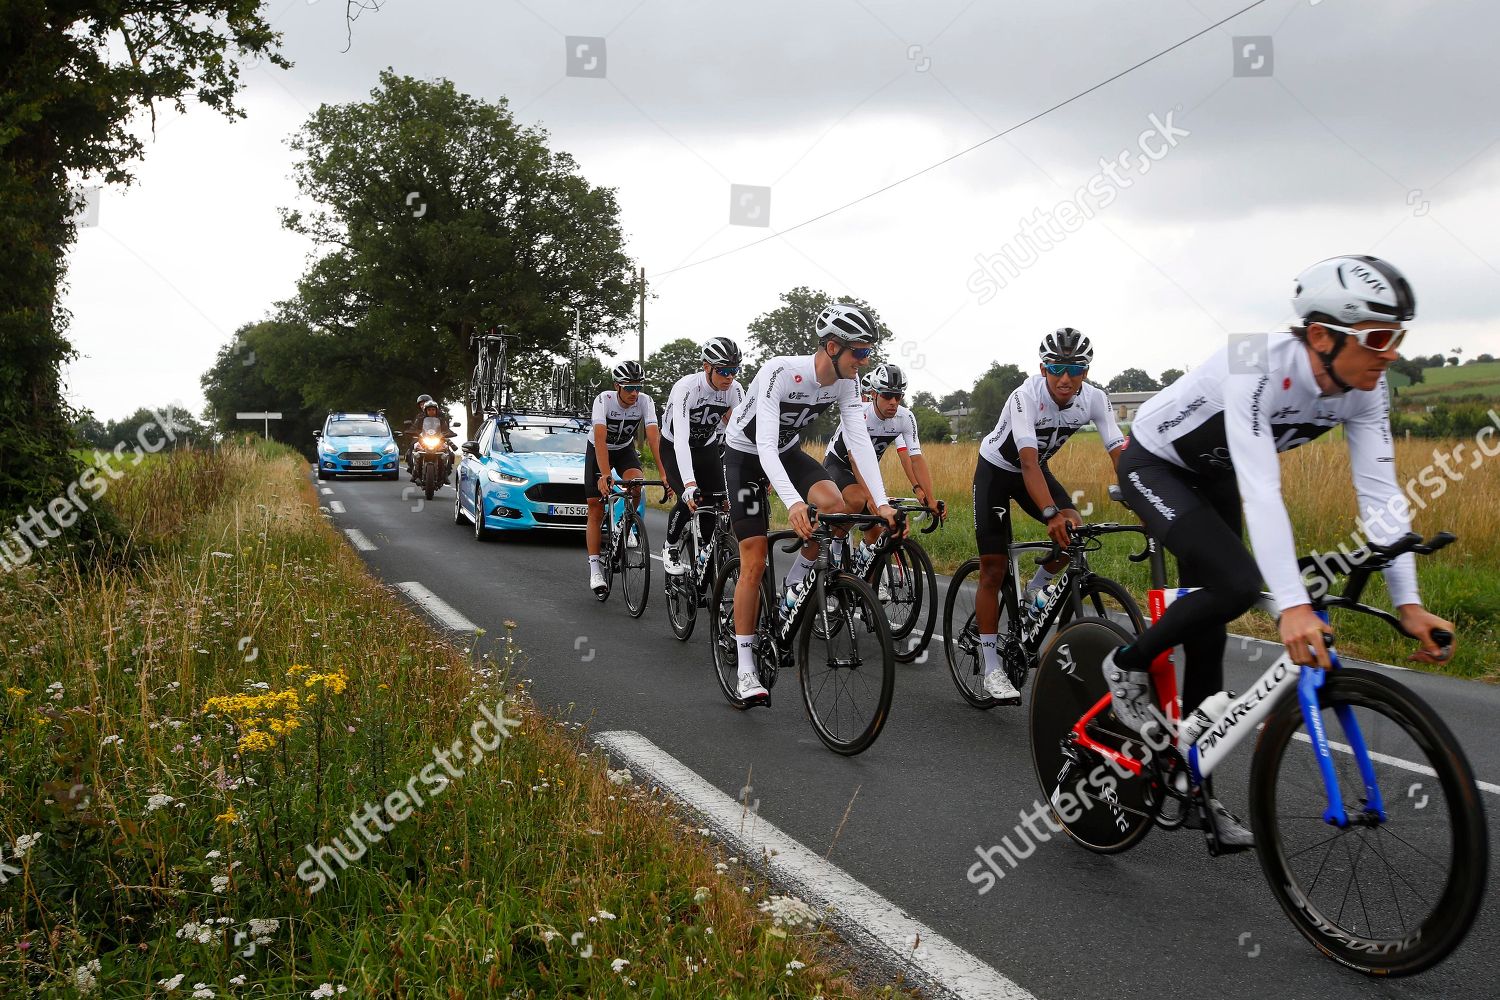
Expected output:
(624, 545)
(1075, 592)
(703, 556)
(901, 574)
(487, 383)
(835, 631)
(1378, 878)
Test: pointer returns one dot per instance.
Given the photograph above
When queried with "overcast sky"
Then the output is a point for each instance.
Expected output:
(1363, 126)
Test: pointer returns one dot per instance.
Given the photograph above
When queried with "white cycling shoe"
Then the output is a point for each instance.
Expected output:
(596, 582)
(751, 687)
(671, 562)
(997, 684)
(1130, 692)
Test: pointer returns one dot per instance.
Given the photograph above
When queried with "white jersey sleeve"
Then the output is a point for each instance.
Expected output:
(767, 440)
(1103, 416)
(601, 408)
(679, 422)
(909, 439)
(1252, 448)
(857, 441)
(1383, 508)
(649, 409)
(1022, 420)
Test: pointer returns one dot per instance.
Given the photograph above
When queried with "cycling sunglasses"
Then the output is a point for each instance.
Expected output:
(1375, 340)
(891, 395)
(631, 386)
(1074, 371)
(728, 372)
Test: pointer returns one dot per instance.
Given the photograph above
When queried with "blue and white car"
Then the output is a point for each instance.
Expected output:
(525, 470)
(357, 444)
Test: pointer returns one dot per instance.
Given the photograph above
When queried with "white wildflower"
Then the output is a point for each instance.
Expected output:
(194, 931)
(110, 740)
(171, 984)
(620, 777)
(700, 894)
(606, 915)
(213, 854)
(24, 843)
(548, 936)
(793, 966)
(84, 979)
(219, 882)
(619, 964)
(789, 911)
(158, 801)
(202, 991)
(237, 981)
(261, 926)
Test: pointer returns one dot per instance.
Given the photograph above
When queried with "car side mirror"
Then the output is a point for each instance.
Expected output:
(317, 434)
(471, 448)
(454, 424)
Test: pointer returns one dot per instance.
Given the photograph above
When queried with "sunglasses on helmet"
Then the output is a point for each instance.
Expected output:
(1072, 371)
(1375, 340)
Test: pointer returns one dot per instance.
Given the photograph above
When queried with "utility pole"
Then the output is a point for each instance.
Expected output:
(643, 318)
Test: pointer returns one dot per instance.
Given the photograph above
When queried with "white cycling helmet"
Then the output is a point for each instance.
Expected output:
(628, 373)
(847, 323)
(1354, 289)
(887, 378)
(1066, 346)
(721, 351)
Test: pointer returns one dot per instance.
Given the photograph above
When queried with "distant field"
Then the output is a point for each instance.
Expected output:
(1440, 384)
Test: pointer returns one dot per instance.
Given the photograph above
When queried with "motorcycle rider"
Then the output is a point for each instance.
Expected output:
(429, 420)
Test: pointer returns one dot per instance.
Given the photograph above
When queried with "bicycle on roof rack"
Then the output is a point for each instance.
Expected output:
(488, 385)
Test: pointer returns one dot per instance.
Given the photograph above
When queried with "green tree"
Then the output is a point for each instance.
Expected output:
(788, 329)
(932, 426)
(952, 401)
(1132, 380)
(74, 75)
(1412, 368)
(924, 398)
(1485, 358)
(669, 363)
(441, 216)
(165, 428)
(988, 398)
(266, 368)
(1169, 376)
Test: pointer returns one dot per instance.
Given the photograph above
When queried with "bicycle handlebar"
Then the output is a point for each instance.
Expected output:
(1084, 532)
(911, 505)
(620, 487)
(837, 520)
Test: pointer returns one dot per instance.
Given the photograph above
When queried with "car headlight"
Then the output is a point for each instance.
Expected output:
(496, 476)
(390, 448)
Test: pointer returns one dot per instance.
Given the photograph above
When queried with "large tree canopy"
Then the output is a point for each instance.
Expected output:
(788, 329)
(990, 393)
(438, 215)
(72, 75)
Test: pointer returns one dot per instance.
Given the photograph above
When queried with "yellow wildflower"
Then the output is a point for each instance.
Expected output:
(297, 668)
(231, 817)
(334, 682)
(15, 692)
(255, 740)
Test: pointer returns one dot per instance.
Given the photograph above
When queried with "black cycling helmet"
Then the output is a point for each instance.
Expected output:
(1066, 346)
(628, 373)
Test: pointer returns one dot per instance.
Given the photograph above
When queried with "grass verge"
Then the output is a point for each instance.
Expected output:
(184, 737)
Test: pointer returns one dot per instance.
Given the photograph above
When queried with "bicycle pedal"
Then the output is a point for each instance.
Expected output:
(1008, 702)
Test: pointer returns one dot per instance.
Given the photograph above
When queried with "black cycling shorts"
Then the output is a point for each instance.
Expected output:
(621, 460)
(840, 472)
(708, 467)
(746, 483)
(996, 487)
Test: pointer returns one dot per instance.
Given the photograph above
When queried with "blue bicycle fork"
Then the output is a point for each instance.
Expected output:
(1308, 684)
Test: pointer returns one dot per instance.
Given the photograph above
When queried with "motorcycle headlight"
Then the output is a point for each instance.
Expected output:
(496, 476)
(431, 440)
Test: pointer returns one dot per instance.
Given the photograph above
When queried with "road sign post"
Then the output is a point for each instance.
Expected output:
(266, 417)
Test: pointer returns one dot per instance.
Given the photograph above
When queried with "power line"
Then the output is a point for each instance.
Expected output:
(964, 152)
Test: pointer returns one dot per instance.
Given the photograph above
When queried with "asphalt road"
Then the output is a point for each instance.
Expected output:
(943, 780)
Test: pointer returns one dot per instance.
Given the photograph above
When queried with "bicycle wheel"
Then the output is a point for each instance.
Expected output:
(916, 640)
(1104, 598)
(898, 586)
(1103, 807)
(848, 671)
(1387, 896)
(961, 634)
(721, 615)
(635, 568)
(682, 591)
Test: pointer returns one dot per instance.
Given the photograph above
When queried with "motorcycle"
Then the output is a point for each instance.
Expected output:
(431, 456)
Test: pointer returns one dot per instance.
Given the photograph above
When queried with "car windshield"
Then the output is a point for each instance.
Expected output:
(527, 439)
(357, 428)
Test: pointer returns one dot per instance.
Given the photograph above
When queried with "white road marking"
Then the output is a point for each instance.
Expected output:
(860, 912)
(324, 489)
(1405, 765)
(436, 607)
(336, 506)
(359, 541)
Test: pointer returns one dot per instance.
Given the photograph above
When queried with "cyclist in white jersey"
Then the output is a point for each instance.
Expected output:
(761, 448)
(1209, 442)
(618, 415)
(1038, 418)
(888, 422)
(693, 430)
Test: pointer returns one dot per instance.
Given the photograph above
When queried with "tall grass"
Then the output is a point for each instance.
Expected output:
(177, 734)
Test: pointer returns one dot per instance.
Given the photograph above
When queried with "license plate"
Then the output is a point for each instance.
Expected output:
(568, 509)
(358, 463)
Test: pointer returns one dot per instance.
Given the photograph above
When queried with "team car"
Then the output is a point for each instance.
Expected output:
(525, 470)
(357, 444)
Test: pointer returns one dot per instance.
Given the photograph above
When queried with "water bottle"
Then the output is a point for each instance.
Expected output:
(793, 595)
(702, 560)
(863, 558)
(1202, 717)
